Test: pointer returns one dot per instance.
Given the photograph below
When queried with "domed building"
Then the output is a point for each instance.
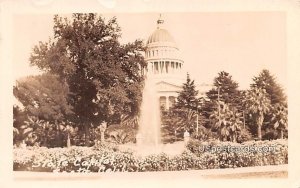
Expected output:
(165, 64)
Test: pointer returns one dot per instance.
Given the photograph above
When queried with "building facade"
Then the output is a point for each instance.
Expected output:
(165, 64)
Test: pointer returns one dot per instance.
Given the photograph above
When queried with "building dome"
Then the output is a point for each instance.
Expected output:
(160, 35)
(162, 54)
(165, 64)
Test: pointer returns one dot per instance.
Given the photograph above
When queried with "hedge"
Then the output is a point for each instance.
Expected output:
(197, 156)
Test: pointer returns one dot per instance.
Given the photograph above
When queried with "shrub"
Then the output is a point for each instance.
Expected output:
(252, 153)
(121, 134)
(244, 135)
(104, 158)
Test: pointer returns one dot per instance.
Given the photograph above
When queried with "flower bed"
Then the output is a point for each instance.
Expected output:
(106, 158)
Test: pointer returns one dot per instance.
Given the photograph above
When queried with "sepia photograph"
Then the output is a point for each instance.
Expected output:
(97, 102)
(160, 94)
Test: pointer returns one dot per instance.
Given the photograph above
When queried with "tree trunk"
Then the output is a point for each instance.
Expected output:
(87, 135)
(259, 132)
(259, 125)
(102, 136)
(281, 132)
(23, 144)
(45, 140)
(234, 137)
(244, 120)
(68, 140)
(103, 127)
(58, 139)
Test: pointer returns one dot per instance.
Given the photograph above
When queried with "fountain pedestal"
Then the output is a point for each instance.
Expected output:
(186, 137)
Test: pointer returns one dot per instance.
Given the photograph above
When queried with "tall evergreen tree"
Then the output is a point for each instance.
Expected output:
(182, 116)
(188, 97)
(188, 104)
(265, 80)
(225, 90)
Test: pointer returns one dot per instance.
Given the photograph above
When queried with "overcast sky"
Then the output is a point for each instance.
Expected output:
(241, 43)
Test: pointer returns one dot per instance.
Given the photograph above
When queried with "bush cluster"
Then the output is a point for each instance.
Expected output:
(110, 158)
(230, 155)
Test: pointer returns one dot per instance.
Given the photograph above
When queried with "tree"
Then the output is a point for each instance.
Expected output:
(187, 98)
(279, 119)
(69, 131)
(268, 82)
(220, 121)
(182, 115)
(44, 101)
(187, 104)
(104, 77)
(227, 122)
(33, 131)
(235, 127)
(258, 105)
(44, 97)
(19, 116)
(225, 90)
(173, 125)
(265, 80)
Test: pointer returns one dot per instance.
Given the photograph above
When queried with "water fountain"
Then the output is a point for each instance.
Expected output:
(150, 123)
(149, 133)
(148, 138)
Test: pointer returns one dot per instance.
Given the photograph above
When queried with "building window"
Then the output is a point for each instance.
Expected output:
(163, 102)
(172, 101)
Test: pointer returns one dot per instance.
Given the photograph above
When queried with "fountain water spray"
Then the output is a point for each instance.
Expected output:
(149, 133)
(150, 124)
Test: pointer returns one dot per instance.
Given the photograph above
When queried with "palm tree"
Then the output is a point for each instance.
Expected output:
(235, 124)
(258, 104)
(16, 134)
(221, 121)
(280, 119)
(130, 120)
(36, 131)
(100, 130)
(46, 128)
(70, 131)
(32, 130)
(185, 118)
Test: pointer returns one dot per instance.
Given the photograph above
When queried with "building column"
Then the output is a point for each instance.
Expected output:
(167, 103)
(167, 67)
(152, 68)
(160, 68)
(173, 67)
